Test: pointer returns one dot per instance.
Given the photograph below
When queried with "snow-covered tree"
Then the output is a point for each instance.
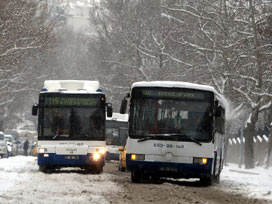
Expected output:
(25, 34)
(224, 43)
(233, 50)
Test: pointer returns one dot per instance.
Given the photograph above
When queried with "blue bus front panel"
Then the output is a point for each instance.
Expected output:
(170, 169)
(52, 159)
(112, 156)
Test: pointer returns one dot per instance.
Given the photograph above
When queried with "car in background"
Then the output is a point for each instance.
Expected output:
(15, 140)
(11, 146)
(3, 146)
(122, 159)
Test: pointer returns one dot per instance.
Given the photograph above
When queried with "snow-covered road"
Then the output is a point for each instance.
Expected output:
(21, 182)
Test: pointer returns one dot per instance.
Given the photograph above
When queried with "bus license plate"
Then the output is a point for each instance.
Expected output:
(71, 157)
(169, 169)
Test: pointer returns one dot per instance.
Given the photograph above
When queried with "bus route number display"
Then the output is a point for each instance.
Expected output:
(70, 101)
(173, 94)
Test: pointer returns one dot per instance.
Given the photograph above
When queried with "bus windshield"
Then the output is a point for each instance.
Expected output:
(73, 123)
(73, 119)
(116, 133)
(167, 113)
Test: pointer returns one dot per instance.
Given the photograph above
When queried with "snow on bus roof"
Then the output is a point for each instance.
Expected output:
(71, 86)
(172, 84)
(178, 84)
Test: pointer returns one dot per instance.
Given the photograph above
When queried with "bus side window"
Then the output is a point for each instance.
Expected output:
(220, 120)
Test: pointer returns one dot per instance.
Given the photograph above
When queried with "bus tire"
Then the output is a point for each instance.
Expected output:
(43, 168)
(135, 176)
(206, 180)
(99, 169)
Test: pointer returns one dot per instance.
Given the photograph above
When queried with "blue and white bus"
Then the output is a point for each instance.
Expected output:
(71, 125)
(176, 129)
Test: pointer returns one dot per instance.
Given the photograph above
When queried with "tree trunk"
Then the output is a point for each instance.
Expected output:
(249, 152)
(249, 131)
(268, 151)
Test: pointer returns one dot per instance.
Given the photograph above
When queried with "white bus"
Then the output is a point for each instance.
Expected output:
(116, 135)
(71, 125)
(176, 129)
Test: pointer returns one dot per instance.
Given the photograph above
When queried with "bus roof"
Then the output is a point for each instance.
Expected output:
(71, 86)
(173, 84)
(178, 84)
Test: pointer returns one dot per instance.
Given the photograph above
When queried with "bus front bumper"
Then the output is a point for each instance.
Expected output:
(171, 169)
(53, 159)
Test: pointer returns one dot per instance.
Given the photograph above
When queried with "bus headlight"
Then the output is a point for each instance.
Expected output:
(96, 156)
(200, 160)
(137, 157)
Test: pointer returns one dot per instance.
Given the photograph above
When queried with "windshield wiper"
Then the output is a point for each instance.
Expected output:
(150, 137)
(60, 135)
(175, 136)
(182, 136)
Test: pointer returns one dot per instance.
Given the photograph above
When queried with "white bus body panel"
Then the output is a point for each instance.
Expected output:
(170, 151)
(70, 147)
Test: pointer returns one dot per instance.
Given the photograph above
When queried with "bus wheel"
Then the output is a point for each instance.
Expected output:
(135, 176)
(43, 168)
(206, 180)
(99, 169)
(156, 179)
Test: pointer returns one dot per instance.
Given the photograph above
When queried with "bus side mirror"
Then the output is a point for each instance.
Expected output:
(218, 111)
(35, 109)
(109, 110)
(123, 108)
(220, 119)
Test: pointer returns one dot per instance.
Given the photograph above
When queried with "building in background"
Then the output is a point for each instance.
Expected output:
(75, 12)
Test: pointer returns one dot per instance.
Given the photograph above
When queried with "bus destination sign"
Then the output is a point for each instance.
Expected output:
(173, 94)
(71, 101)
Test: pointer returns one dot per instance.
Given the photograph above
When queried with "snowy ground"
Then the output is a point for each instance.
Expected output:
(21, 182)
(256, 183)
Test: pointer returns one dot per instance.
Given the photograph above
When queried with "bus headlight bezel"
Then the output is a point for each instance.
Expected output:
(96, 156)
(200, 160)
(138, 157)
